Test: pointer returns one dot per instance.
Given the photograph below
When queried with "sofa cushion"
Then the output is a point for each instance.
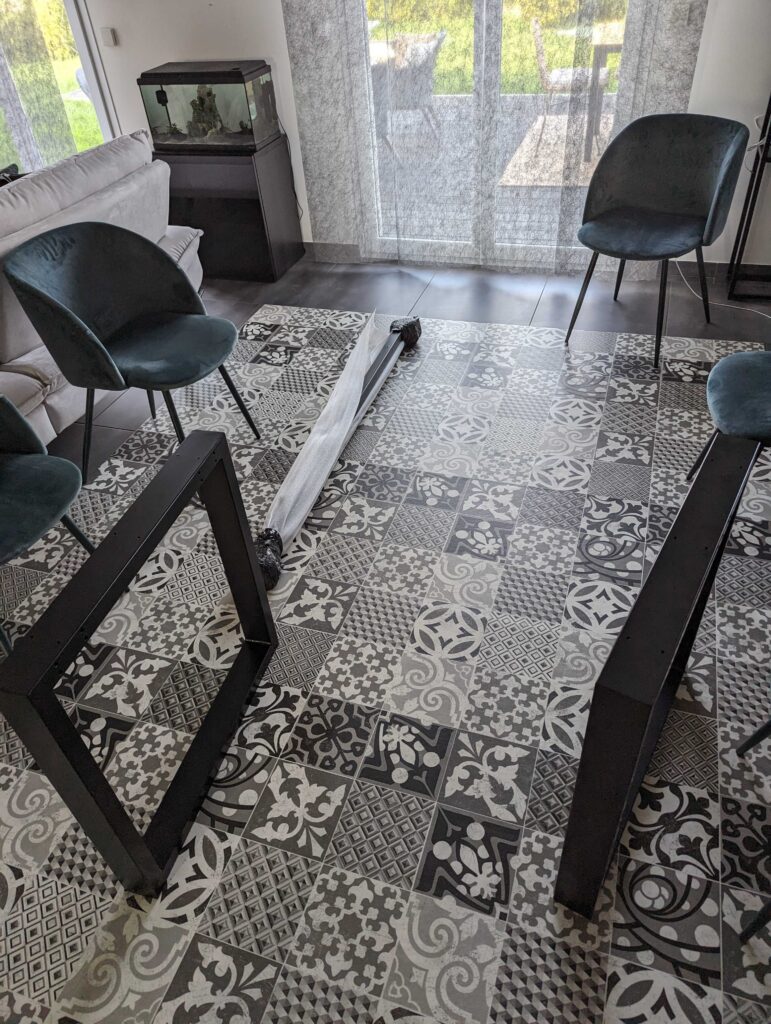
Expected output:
(25, 392)
(41, 194)
(181, 244)
(39, 364)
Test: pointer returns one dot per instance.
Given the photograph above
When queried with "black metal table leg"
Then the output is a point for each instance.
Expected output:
(638, 682)
(201, 464)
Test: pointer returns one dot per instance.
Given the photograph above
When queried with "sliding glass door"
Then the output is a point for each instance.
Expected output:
(424, 110)
(486, 119)
(47, 107)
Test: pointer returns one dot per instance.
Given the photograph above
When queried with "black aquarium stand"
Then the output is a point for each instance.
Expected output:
(246, 207)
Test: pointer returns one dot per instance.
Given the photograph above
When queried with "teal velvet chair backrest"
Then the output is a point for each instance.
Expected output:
(671, 163)
(80, 283)
(16, 435)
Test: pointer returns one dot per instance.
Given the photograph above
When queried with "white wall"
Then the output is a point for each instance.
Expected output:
(733, 79)
(151, 32)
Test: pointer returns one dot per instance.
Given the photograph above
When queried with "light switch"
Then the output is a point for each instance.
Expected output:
(109, 36)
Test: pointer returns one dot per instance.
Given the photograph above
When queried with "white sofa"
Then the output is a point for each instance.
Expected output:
(117, 182)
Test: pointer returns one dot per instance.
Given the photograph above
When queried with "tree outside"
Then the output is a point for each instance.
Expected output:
(45, 115)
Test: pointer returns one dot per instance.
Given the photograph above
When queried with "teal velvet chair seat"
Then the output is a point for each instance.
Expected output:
(115, 312)
(36, 490)
(633, 233)
(739, 395)
(170, 350)
(739, 400)
(662, 188)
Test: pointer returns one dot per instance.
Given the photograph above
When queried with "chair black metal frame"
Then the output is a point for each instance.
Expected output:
(201, 465)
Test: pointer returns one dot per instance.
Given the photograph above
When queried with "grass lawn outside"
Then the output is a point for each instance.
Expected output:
(519, 67)
(80, 113)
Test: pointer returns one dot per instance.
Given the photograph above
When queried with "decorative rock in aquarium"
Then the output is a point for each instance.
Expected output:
(206, 117)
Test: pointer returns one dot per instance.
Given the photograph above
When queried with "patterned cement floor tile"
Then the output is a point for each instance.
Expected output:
(381, 833)
(444, 615)
(668, 921)
(349, 931)
(446, 961)
(301, 998)
(260, 900)
(127, 970)
(216, 979)
(541, 979)
(44, 934)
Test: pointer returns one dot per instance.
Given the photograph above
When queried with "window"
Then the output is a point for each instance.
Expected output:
(47, 109)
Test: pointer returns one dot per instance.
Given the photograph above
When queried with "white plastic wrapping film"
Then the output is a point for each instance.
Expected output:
(310, 470)
(329, 436)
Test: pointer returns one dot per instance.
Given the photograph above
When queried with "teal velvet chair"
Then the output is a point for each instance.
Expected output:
(738, 390)
(36, 490)
(116, 312)
(661, 189)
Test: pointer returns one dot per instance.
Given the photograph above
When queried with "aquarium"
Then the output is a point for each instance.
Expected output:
(210, 106)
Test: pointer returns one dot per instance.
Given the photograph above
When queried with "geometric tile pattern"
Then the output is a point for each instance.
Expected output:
(76, 861)
(551, 792)
(303, 652)
(46, 930)
(381, 833)
(394, 800)
(544, 981)
(301, 999)
(687, 751)
(260, 900)
(184, 699)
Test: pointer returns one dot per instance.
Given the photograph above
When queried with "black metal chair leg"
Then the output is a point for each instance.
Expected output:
(78, 534)
(5, 641)
(151, 403)
(702, 456)
(619, 275)
(87, 428)
(757, 737)
(239, 401)
(174, 417)
(660, 314)
(703, 282)
(581, 294)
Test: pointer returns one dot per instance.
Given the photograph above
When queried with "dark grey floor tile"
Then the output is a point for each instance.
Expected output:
(481, 296)
(635, 310)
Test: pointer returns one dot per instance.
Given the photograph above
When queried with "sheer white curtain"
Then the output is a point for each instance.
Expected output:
(466, 131)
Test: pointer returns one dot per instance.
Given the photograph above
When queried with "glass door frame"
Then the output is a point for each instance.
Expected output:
(91, 61)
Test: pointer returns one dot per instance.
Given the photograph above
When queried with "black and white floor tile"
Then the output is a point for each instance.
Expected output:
(381, 838)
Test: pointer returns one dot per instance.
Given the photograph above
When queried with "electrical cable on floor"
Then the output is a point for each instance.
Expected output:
(727, 305)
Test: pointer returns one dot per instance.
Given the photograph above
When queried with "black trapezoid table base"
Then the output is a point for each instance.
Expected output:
(201, 465)
(638, 682)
